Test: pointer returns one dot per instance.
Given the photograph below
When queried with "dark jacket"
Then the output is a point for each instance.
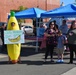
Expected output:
(71, 36)
(2, 32)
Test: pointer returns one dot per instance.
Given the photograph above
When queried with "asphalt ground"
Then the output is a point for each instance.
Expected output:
(33, 63)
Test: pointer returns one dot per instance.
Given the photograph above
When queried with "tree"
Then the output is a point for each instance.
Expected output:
(20, 9)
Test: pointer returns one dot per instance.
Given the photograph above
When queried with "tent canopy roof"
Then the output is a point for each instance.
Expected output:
(66, 11)
(30, 13)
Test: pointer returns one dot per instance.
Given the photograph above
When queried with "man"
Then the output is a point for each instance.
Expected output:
(64, 27)
(2, 36)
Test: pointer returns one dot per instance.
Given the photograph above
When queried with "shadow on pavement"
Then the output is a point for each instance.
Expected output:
(29, 62)
(4, 63)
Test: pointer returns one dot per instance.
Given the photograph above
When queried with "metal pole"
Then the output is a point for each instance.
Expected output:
(36, 35)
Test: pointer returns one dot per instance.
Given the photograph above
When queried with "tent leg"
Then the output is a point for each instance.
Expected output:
(36, 35)
(36, 45)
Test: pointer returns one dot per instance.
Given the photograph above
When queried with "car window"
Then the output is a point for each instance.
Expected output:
(30, 27)
(26, 26)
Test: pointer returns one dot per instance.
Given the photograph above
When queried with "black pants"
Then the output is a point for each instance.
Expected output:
(49, 49)
(3, 45)
(72, 50)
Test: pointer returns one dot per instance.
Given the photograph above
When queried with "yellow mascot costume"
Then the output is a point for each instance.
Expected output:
(13, 49)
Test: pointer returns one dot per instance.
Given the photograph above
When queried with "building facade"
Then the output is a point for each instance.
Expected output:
(7, 5)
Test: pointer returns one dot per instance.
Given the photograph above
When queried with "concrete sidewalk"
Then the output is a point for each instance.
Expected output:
(70, 72)
(33, 64)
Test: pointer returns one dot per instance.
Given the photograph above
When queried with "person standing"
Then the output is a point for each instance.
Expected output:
(50, 33)
(64, 29)
(71, 37)
(2, 36)
(60, 46)
(55, 24)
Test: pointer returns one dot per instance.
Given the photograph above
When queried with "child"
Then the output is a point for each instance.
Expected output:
(60, 46)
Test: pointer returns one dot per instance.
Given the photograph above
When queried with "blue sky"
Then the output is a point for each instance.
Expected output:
(67, 1)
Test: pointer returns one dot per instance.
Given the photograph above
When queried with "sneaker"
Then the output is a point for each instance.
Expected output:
(58, 61)
(61, 61)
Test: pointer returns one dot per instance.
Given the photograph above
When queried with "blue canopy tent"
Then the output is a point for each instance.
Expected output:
(29, 14)
(63, 11)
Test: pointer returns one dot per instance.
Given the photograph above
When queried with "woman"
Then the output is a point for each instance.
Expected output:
(50, 33)
(72, 40)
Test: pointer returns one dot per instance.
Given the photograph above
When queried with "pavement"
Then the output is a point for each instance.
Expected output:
(33, 63)
(70, 72)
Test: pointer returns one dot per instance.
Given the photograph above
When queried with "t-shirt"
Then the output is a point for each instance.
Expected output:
(40, 32)
(64, 29)
(60, 41)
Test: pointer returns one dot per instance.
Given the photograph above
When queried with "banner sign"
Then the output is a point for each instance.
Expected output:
(14, 36)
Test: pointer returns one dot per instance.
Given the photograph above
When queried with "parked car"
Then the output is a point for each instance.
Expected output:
(27, 29)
